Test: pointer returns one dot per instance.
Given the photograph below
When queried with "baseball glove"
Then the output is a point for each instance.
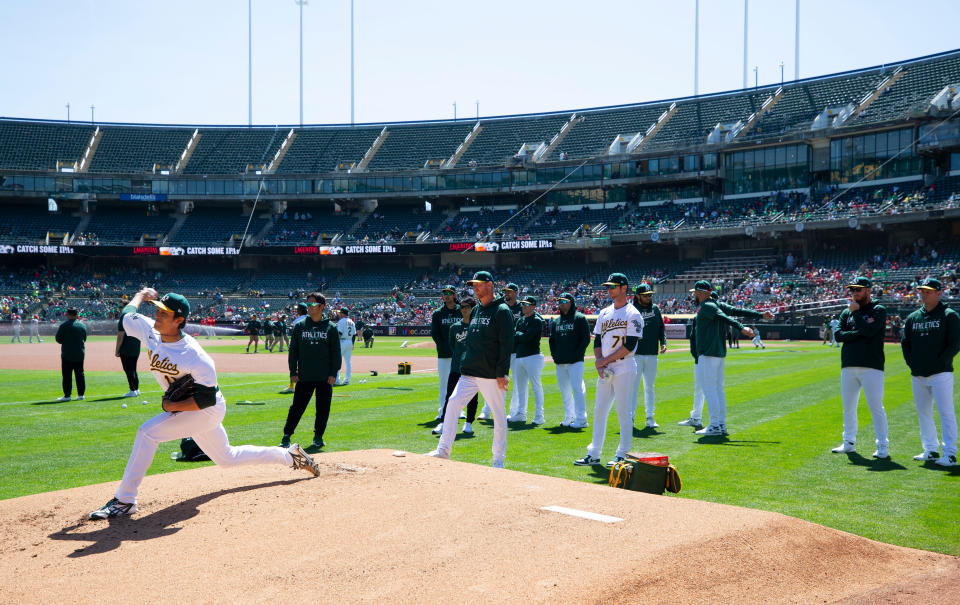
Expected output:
(180, 389)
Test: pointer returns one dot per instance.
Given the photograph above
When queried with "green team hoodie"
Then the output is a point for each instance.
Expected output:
(710, 329)
(861, 333)
(722, 328)
(489, 341)
(654, 333)
(930, 340)
(440, 323)
(458, 341)
(72, 334)
(569, 337)
(526, 341)
(314, 353)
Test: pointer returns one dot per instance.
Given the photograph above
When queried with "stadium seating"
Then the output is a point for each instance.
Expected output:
(136, 149)
(501, 139)
(322, 149)
(695, 119)
(231, 150)
(215, 227)
(593, 136)
(290, 230)
(395, 224)
(33, 223)
(127, 225)
(410, 146)
(912, 92)
(38, 146)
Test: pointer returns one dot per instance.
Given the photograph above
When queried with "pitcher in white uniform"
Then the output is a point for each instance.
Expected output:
(173, 354)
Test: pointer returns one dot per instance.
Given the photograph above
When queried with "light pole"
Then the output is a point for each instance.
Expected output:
(696, 49)
(781, 73)
(478, 108)
(796, 46)
(249, 62)
(68, 112)
(91, 114)
(301, 3)
(352, 70)
(454, 111)
(745, 43)
(756, 77)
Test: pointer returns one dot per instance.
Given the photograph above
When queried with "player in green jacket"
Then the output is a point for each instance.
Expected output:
(652, 343)
(445, 316)
(72, 335)
(457, 340)
(314, 360)
(569, 339)
(529, 364)
(861, 331)
(931, 339)
(484, 367)
(253, 329)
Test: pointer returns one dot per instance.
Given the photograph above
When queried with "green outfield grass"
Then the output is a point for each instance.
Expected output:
(784, 415)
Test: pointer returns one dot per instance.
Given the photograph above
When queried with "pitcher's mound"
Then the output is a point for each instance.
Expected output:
(379, 528)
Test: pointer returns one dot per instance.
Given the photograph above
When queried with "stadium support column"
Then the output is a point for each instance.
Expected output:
(745, 43)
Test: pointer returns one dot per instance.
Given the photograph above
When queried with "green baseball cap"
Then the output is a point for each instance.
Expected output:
(702, 285)
(616, 279)
(860, 282)
(715, 295)
(931, 283)
(344, 311)
(566, 297)
(529, 300)
(480, 277)
(448, 289)
(511, 286)
(644, 288)
(175, 303)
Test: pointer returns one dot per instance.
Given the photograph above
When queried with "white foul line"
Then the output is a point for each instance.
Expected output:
(582, 514)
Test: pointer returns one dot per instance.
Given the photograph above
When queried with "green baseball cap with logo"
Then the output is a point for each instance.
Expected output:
(702, 285)
(176, 303)
(448, 289)
(529, 300)
(480, 277)
(860, 282)
(616, 279)
(644, 288)
(566, 297)
(344, 311)
(511, 286)
(931, 283)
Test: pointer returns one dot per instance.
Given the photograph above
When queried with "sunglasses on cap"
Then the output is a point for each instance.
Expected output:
(312, 304)
(855, 288)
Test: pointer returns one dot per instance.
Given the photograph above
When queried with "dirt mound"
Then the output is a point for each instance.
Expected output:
(376, 528)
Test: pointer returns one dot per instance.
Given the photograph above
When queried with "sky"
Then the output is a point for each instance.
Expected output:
(186, 61)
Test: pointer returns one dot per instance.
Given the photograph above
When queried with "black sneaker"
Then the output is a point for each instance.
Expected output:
(615, 461)
(113, 509)
(318, 442)
(587, 460)
(285, 442)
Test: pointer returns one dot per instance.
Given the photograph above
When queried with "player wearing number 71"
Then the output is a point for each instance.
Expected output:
(616, 333)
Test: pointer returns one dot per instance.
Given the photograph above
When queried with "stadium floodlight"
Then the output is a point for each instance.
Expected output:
(301, 3)
(92, 121)
(781, 73)
(352, 86)
(249, 62)
(745, 44)
(454, 111)
(756, 77)
(68, 112)
(796, 45)
(478, 108)
(696, 48)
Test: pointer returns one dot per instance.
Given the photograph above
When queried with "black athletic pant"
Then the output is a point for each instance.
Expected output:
(70, 369)
(302, 392)
(130, 369)
(471, 406)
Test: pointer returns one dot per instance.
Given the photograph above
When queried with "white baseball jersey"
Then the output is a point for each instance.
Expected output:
(17, 324)
(171, 360)
(347, 328)
(34, 324)
(614, 326)
(834, 324)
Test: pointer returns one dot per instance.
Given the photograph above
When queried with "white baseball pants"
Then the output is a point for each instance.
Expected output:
(206, 429)
(529, 369)
(647, 374)
(711, 377)
(617, 387)
(573, 391)
(466, 388)
(16, 336)
(927, 390)
(346, 353)
(485, 411)
(698, 398)
(443, 368)
(34, 333)
(852, 380)
(756, 340)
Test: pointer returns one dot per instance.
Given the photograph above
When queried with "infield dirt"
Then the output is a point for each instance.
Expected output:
(376, 528)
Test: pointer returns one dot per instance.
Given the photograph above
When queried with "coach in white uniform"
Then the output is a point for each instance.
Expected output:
(616, 334)
(834, 326)
(529, 362)
(17, 326)
(35, 329)
(347, 330)
(172, 355)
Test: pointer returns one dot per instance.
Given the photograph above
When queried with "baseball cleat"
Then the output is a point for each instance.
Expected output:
(285, 441)
(882, 453)
(483, 416)
(587, 460)
(79, 397)
(467, 428)
(539, 420)
(113, 509)
(438, 454)
(845, 448)
(463, 415)
(516, 418)
(64, 398)
(566, 422)
(580, 424)
(131, 393)
(694, 422)
(651, 423)
(497, 464)
(318, 442)
(946, 461)
(302, 460)
(287, 390)
(711, 431)
(438, 430)
(927, 455)
(615, 461)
